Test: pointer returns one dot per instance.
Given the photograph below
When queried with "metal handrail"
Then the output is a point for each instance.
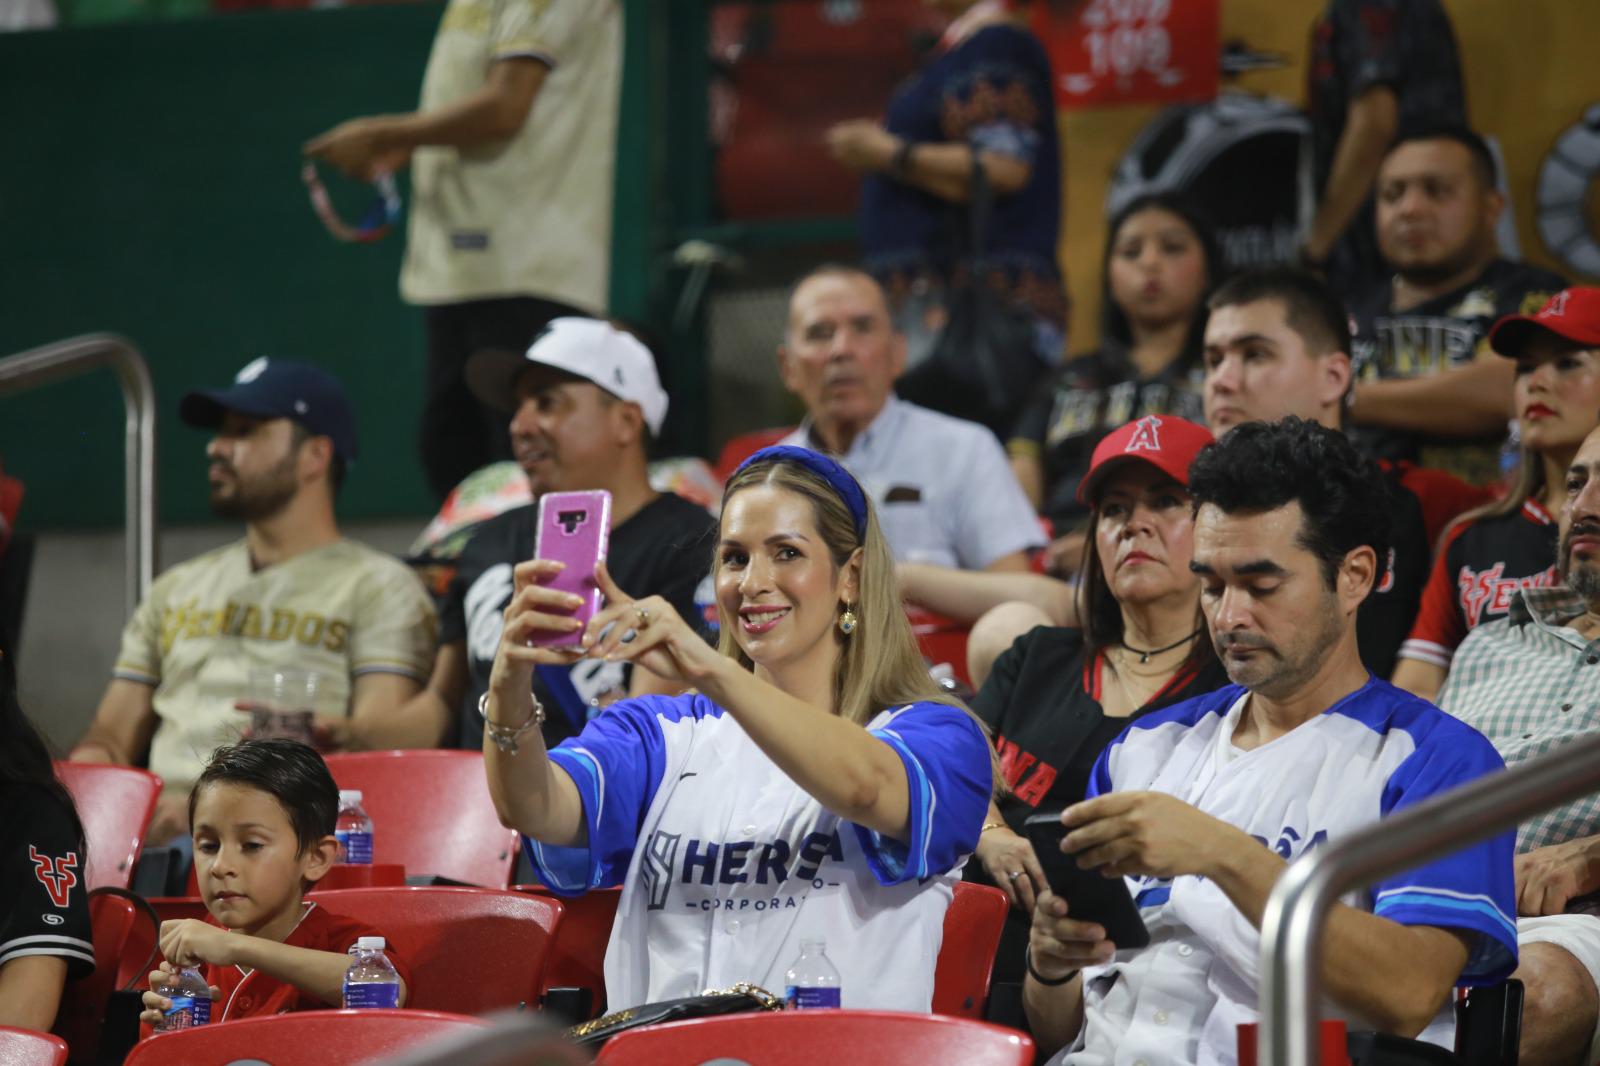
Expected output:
(76, 356)
(1291, 928)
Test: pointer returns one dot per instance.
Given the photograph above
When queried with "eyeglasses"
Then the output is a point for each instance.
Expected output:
(376, 221)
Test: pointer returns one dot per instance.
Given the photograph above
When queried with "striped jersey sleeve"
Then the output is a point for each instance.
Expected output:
(949, 781)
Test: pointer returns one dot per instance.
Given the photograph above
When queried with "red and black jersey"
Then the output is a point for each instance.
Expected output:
(44, 904)
(1480, 565)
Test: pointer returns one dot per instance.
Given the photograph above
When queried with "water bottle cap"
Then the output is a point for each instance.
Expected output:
(370, 943)
(349, 795)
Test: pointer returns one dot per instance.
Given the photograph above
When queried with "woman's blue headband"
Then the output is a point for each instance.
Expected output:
(838, 478)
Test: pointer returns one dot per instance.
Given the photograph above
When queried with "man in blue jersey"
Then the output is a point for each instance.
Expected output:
(1202, 804)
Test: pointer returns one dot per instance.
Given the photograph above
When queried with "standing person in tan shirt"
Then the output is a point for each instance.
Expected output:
(292, 593)
(512, 153)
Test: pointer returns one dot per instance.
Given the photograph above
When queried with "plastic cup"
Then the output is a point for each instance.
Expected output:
(281, 703)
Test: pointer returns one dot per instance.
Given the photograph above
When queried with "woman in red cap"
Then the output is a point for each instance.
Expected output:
(1059, 696)
(1510, 543)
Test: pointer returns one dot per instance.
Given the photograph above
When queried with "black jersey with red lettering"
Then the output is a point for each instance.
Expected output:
(1482, 563)
(1042, 703)
(1436, 335)
(44, 903)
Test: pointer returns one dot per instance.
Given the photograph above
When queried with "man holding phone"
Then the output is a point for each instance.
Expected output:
(1203, 804)
(585, 402)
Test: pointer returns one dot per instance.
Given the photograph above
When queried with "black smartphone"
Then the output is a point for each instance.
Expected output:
(1090, 896)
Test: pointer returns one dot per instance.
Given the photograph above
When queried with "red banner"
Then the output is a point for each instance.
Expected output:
(1110, 52)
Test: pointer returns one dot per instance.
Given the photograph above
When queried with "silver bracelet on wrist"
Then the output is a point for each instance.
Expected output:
(505, 737)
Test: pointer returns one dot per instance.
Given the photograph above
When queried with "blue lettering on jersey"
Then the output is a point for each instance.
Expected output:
(736, 862)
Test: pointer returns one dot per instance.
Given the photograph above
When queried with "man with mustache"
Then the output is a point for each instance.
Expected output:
(1428, 389)
(943, 488)
(1530, 682)
(584, 403)
(293, 593)
(1201, 805)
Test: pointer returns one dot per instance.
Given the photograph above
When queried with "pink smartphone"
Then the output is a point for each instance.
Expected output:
(574, 528)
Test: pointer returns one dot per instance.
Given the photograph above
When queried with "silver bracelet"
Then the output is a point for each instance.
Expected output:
(505, 737)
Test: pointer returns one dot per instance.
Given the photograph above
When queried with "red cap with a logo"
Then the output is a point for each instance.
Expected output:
(1571, 314)
(1166, 442)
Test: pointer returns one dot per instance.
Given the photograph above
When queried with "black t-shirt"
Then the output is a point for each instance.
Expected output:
(1407, 45)
(1042, 703)
(1386, 615)
(44, 903)
(1437, 335)
(663, 550)
(1086, 399)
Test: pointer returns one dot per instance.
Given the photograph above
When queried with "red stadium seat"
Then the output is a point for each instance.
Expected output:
(304, 1038)
(941, 640)
(431, 813)
(578, 959)
(124, 937)
(470, 949)
(972, 928)
(837, 1037)
(25, 1047)
(115, 804)
(742, 447)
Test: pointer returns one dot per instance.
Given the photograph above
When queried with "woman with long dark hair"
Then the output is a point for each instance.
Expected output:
(44, 909)
(1160, 262)
(1059, 696)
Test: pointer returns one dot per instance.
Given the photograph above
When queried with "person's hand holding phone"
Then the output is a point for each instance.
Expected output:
(1059, 944)
(535, 611)
(1012, 865)
(1150, 834)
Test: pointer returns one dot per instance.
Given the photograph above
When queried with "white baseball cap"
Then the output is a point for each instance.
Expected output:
(587, 348)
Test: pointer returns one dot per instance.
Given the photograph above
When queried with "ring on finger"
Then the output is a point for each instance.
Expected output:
(644, 615)
(1013, 875)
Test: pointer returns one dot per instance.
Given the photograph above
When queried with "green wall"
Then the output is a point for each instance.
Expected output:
(149, 185)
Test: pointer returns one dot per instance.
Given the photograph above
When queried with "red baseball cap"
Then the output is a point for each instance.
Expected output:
(1166, 442)
(1571, 314)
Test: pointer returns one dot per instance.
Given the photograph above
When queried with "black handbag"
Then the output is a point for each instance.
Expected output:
(983, 366)
(739, 999)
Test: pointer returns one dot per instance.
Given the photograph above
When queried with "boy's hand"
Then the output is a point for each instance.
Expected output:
(191, 942)
(157, 1005)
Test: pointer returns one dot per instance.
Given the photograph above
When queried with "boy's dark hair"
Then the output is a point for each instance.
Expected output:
(1260, 466)
(1476, 146)
(1309, 307)
(290, 772)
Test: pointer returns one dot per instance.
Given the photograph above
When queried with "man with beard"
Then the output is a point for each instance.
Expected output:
(293, 594)
(1531, 683)
(585, 402)
(1428, 389)
(1201, 805)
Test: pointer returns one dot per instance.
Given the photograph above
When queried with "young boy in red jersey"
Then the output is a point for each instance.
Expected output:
(262, 816)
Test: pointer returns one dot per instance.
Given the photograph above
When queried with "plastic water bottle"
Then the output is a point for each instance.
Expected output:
(353, 829)
(812, 981)
(371, 980)
(191, 1001)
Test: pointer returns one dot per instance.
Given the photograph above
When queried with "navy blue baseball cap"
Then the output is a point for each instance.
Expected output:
(278, 388)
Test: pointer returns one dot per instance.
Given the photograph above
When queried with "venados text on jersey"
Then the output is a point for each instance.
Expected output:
(189, 621)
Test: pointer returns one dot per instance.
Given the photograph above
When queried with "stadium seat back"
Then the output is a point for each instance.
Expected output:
(578, 959)
(303, 1038)
(124, 941)
(470, 950)
(431, 813)
(115, 804)
(972, 927)
(25, 1047)
(837, 1037)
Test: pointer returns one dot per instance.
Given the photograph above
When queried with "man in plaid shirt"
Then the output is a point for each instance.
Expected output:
(1530, 682)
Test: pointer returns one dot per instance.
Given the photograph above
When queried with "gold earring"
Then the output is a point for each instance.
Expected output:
(847, 621)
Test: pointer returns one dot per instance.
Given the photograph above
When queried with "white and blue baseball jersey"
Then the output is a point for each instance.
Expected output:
(726, 864)
(1376, 752)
